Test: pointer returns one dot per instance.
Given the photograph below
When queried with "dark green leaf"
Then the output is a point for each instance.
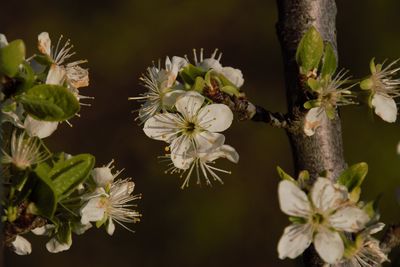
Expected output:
(330, 61)
(67, 175)
(50, 102)
(309, 51)
(43, 194)
(11, 56)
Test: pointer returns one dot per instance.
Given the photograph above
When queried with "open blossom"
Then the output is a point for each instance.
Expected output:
(192, 128)
(331, 94)
(321, 217)
(25, 152)
(201, 163)
(163, 89)
(384, 89)
(365, 252)
(111, 201)
(235, 76)
(75, 75)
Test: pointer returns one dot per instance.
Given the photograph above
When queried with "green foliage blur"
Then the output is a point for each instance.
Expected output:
(239, 223)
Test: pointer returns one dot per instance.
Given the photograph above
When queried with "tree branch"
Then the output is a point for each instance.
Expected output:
(323, 150)
(391, 239)
(275, 119)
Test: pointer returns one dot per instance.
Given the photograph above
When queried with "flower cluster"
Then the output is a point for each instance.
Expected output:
(184, 107)
(329, 215)
(47, 67)
(51, 194)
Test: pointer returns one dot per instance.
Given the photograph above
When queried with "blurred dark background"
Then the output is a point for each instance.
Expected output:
(239, 223)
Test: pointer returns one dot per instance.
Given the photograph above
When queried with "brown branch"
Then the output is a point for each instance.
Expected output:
(323, 150)
(391, 238)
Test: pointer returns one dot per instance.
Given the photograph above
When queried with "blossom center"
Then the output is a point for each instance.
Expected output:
(317, 219)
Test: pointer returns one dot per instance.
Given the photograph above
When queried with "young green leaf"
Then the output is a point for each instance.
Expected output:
(189, 74)
(310, 50)
(353, 177)
(49, 102)
(284, 175)
(329, 62)
(11, 56)
(67, 175)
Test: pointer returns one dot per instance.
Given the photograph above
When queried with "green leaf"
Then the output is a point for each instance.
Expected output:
(49, 102)
(284, 175)
(231, 90)
(189, 74)
(199, 84)
(11, 56)
(353, 177)
(67, 175)
(309, 51)
(329, 62)
(312, 104)
(43, 193)
(314, 84)
(26, 77)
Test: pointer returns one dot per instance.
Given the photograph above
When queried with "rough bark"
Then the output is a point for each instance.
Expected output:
(323, 151)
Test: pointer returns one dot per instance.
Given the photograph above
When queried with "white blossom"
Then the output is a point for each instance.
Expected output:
(111, 201)
(235, 76)
(163, 89)
(202, 163)
(40, 129)
(21, 246)
(384, 89)
(3, 40)
(75, 75)
(365, 252)
(331, 93)
(25, 152)
(321, 217)
(192, 128)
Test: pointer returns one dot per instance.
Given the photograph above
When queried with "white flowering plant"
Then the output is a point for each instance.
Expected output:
(188, 105)
(46, 193)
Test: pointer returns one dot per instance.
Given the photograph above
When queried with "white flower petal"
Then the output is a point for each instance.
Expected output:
(210, 63)
(385, 107)
(40, 129)
(292, 200)
(329, 245)
(110, 228)
(373, 229)
(189, 104)
(235, 76)
(92, 211)
(122, 189)
(46, 230)
(349, 219)
(206, 141)
(44, 43)
(3, 40)
(162, 126)
(173, 68)
(224, 151)
(182, 152)
(295, 239)
(56, 75)
(21, 246)
(169, 99)
(325, 195)
(79, 228)
(102, 176)
(215, 117)
(53, 246)
(313, 120)
(77, 76)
